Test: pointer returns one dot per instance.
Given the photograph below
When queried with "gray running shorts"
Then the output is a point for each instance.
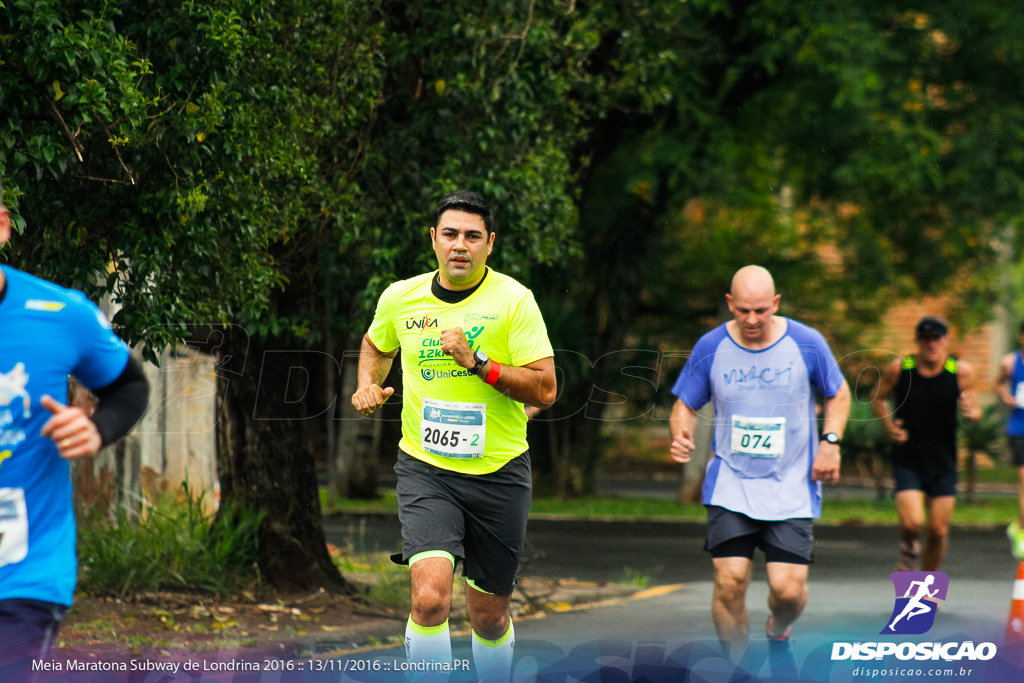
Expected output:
(479, 518)
(733, 534)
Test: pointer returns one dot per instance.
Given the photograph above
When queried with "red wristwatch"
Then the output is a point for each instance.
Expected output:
(492, 374)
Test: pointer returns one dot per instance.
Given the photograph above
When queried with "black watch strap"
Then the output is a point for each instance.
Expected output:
(478, 362)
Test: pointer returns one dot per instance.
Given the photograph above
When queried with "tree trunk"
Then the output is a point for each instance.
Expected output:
(262, 462)
(565, 452)
(359, 437)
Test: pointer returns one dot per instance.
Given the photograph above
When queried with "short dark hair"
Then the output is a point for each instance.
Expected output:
(1021, 329)
(468, 201)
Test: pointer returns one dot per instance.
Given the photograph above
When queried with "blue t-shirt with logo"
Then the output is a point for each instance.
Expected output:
(765, 426)
(1015, 425)
(48, 333)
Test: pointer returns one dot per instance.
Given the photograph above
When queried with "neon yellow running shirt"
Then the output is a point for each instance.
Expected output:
(450, 418)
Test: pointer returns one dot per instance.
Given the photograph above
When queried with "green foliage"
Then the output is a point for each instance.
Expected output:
(468, 102)
(391, 590)
(634, 578)
(273, 164)
(215, 154)
(864, 434)
(200, 154)
(174, 545)
(987, 434)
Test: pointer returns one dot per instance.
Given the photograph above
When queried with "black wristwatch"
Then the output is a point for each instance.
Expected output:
(831, 437)
(480, 357)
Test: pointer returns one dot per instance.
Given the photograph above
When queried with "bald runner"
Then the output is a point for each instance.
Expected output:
(762, 488)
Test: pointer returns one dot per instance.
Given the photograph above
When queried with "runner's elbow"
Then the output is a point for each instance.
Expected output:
(548, 394)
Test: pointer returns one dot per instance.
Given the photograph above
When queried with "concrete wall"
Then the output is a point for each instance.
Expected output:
(177, 437)
(174, 442)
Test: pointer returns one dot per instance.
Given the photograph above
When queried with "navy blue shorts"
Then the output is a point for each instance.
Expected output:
(27, 632)
(733, 534)
(478, 518)
(933, 485)
(1016, 449)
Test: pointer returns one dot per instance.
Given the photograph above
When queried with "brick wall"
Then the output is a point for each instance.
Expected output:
(982, 348)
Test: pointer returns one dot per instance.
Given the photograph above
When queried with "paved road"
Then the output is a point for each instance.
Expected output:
(851, 599)
(671, 552)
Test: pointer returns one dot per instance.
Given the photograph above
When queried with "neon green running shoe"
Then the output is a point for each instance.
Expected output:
(1016, 535)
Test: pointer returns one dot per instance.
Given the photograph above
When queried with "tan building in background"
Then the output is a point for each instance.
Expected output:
(983, 348)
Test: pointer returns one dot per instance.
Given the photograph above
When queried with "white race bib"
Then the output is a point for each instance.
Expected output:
(758, 437)
(453, 429)
(13, 526)
(1018, 395)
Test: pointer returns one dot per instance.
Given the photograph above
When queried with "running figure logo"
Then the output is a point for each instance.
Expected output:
(12, 386)
(917, 600)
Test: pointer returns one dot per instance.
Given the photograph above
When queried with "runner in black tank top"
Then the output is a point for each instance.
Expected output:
(926, 390)
(928, 408)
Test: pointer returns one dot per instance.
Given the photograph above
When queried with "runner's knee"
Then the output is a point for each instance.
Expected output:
(431, 600)
(730, 588)
(489, 624)
(429, 607)
(909, 531)
(789, 594)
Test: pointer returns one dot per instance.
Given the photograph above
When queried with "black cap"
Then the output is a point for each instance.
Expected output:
(931, 327)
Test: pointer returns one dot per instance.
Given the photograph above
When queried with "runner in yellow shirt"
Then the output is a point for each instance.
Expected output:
(474, 351)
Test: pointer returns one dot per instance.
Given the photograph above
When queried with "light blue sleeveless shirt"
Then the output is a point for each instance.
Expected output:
(765, 427)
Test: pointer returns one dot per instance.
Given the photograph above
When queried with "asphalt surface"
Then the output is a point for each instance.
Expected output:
(672, 552)
(667, 634)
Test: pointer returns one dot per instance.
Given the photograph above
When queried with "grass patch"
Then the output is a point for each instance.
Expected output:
(390, 590)
(635, 579)
(617, 508)
(995, 475)
(174, 544)
(380, 580)
(388, 502)
(986, 511)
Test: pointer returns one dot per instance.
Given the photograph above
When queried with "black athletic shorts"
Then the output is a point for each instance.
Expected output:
(932, 485)
(27, 632)
(1017, 450)
(733, 534)
(479, 518)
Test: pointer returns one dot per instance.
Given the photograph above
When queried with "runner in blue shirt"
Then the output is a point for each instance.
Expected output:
(763, 484)
(49, 333)
(1010, 388)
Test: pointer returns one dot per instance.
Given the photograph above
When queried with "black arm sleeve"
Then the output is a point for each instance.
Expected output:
(122, 403)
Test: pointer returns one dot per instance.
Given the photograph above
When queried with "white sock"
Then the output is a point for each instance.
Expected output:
(430, 646)
(493, 658)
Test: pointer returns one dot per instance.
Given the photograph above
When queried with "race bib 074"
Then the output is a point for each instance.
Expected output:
(758, 437)
(453, 429)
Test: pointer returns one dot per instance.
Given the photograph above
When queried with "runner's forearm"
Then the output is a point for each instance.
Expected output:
(532, 384)
(837, 410)
(374, 365)
(683, 417)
